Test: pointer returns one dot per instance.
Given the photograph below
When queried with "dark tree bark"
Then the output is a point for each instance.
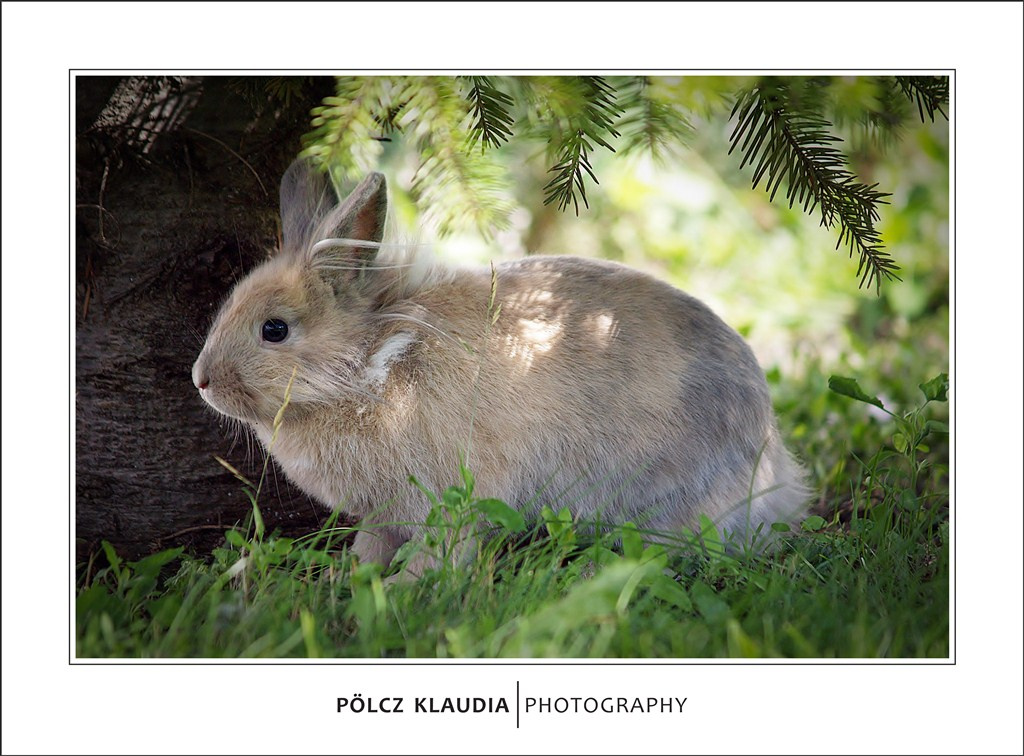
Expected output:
(176, 183)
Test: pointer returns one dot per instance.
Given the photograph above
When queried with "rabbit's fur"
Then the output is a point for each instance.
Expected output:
(574, 382)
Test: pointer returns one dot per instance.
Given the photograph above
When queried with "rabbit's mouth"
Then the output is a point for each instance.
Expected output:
(235, 401)
(222, 386)
(222, 404)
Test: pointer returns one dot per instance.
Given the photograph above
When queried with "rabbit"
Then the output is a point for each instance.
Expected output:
(557, 380)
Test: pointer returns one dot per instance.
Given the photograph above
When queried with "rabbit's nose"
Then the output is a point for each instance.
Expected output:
(199, 376)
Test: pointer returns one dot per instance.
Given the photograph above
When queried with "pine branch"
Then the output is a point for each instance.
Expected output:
(387, 120)
(569, 173)
(452, 182)
(285, 88)
(579, 113)
(651, 124)
(782, 130)
(795, 148)
(930, 93)
(492, 122)
(348, 127)
(879, 119)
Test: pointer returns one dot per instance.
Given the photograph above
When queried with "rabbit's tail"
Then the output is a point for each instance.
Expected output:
(777, 493)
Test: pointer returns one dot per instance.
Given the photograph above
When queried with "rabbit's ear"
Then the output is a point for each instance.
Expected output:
(335, 247)
(361, 216)
(306, 197)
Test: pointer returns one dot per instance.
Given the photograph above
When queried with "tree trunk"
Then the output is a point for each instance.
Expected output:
(176, 182)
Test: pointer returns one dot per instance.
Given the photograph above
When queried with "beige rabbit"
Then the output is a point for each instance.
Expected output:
(574, 383)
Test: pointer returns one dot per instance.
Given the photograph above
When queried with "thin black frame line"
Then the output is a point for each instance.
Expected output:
(519, 663)
(610, 71)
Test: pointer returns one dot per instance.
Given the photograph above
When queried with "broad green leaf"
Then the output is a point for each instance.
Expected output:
(281, 547)
(363, 608)
(936, 389)
(812, 523)
(640, 575)
(93, 599)
(500, 513)
(602, 555)
(454, 497)
(467, 478)
(781, 527)
(112, 557)
(668, 590)
(405, 552)
(556, 524)
(711, 539)
(849, 387)
(436, 518)
(152, 563)
(655, 554)
(709, 604)
(308, 626)
(909, 501)
(140, 587)
(164, 608)
(861, 526)
(632, 544)
(741, 644)
(258, 520)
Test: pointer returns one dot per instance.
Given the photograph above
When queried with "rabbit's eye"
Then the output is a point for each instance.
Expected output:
(275, 331)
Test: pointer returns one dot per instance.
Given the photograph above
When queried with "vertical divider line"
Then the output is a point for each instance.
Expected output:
(517, 704)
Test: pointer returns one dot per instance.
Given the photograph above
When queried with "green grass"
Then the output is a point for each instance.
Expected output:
(869, 579)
